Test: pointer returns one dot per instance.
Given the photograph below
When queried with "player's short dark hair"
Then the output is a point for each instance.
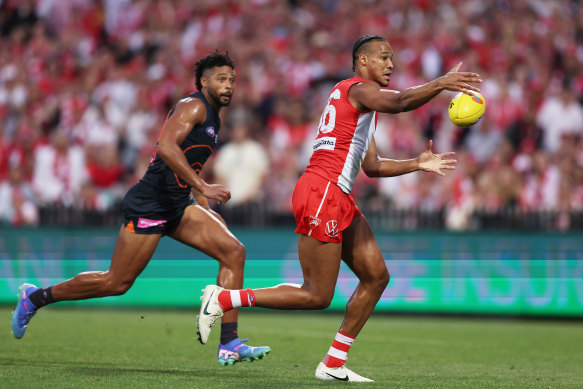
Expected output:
(362, 44)
(212, 60)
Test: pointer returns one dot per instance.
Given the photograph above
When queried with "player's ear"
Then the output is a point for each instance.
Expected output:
(363, 59)
(203, 81)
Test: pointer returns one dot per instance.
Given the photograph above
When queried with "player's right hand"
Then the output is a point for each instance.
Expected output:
(216, 192)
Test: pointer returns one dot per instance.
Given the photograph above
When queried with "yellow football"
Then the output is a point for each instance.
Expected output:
(465, 110)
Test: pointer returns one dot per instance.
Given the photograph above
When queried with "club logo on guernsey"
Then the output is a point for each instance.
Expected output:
(325, 143)
(332, 228)
(210, 131)
(314, 222)
(146, 223)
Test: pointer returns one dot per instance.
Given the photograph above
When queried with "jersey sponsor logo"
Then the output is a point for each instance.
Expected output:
(314, 222)
(332, 228)
(146, 223)
(325, 143)
(210, 131)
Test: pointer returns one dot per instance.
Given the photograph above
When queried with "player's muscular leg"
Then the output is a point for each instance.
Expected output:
(201, 230)
(320, 264)
(362, 254)
(131, 254)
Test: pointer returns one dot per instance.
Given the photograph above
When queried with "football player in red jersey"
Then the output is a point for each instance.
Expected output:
(330, 226)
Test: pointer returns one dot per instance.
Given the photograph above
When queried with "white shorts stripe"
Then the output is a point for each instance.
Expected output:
(323, 198)
(343, 339)
(320, 207)
(334, 352)
(235, 298)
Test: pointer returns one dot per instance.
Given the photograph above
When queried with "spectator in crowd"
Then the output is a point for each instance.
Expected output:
(59, 171)
(541, 184)
(17, 200)
(105, 72)
(483, 140)
(242, 166)
(139, 128)
(105, 172)
(560, 116)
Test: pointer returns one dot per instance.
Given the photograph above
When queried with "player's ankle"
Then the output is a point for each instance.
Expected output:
(41, 297)
(338, 351)
(333, 362)
(231, 299)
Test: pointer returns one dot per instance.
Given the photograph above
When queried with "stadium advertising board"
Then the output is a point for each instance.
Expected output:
(486, 273)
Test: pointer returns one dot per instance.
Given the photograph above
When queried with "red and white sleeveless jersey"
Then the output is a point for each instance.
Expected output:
(344, 135)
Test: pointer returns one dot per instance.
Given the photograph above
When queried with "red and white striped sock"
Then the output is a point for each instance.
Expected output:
(231, 299)
(336, 356)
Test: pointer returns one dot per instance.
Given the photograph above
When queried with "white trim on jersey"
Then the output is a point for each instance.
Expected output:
(363, 134)
(320, 207)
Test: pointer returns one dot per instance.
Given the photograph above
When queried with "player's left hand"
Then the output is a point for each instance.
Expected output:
(430, 162)
(457, 81)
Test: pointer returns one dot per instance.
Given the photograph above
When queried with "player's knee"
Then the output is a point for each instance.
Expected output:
(120, 287)
(382, 280)
(320, 302)
(385, 278)
(115, 286)
(236, 254)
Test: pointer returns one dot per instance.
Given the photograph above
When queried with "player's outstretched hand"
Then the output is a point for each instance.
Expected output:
(430, 162)
(216, 192)
(458, 81)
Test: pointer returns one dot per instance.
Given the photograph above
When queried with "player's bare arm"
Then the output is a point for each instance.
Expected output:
(369, 95)
(188, 112)
(375, 166)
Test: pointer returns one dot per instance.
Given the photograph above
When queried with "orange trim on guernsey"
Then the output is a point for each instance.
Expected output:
(194, 146)
(130, 227)
(195, 170)
(164, 125)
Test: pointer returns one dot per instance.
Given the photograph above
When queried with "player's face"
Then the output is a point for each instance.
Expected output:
(220, 84)
(380, 63)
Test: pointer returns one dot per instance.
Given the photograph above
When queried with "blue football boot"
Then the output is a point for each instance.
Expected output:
(236, 351)
(24, 311)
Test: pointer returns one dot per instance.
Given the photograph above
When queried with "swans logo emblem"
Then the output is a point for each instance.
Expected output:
(314, 222)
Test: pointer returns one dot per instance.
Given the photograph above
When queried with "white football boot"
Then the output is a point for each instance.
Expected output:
(210, 312)
(341, 373)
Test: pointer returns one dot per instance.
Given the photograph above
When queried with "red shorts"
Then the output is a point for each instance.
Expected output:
(321, 209)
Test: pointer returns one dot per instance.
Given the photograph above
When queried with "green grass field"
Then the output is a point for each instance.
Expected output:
(75, 348)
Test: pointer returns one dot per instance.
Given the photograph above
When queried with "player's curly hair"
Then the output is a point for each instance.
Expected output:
(212, 60)
(362, 45)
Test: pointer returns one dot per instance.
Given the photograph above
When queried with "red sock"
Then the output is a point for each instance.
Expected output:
(336, 356)
(230, 299)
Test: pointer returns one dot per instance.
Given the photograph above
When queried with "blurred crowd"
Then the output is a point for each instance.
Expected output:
(85, 86)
